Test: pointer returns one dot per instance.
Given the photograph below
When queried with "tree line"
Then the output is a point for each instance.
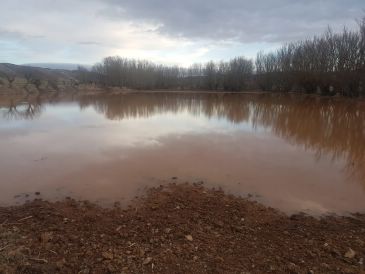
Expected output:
(235, 74)
(327, 64)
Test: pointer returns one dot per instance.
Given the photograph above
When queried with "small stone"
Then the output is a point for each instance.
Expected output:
(174, 178)
(335, 252)
(350, 254)
(167, 230)
(219, 223)
(61, 263)
(46, 237)
(107, 255)
(147, 260)
(360, 242)
(189, 238)
(292, 266)
(111, 268)
(37, 193)
(237, 228)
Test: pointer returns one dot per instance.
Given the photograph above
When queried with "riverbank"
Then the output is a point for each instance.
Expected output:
(88, 89)
(176, 229)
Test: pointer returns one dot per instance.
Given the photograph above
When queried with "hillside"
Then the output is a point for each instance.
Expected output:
(27, 79)
(62, 66)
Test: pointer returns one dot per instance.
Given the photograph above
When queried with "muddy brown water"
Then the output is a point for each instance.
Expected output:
(291, 152)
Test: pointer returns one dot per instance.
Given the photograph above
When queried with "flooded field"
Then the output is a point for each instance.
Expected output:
(291, 152)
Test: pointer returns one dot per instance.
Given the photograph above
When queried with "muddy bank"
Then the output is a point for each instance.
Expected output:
(176, 229)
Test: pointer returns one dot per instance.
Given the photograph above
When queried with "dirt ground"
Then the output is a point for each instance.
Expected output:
(176, 229)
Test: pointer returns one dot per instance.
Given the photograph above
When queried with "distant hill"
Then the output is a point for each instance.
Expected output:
(15, 78)
(63, 66)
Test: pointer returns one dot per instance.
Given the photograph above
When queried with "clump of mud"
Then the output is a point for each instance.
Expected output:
(176, 229)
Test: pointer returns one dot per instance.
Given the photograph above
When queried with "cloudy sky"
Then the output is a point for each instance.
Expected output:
(167, 31)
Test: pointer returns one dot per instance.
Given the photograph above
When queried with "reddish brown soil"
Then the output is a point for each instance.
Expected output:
(176, 229)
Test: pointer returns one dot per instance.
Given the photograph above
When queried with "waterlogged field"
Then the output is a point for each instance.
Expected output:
(291, 152)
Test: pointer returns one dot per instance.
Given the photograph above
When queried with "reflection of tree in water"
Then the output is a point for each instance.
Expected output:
(329, 126)
(30, 106)
(146, 105)
(28, 110)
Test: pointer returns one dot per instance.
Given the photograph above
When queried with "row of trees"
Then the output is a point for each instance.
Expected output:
(331, 63)
(139, 74)
(328, 64)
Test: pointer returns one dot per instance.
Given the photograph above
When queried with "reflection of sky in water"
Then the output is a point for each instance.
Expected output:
(68, 118)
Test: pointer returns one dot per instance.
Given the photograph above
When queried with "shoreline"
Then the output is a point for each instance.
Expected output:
(117, 90)
(121, 91)
(182, 228)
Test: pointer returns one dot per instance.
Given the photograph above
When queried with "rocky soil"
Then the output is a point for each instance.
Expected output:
(176, 229)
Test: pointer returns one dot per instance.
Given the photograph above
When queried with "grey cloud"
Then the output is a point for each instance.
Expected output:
(90, 43)
(9, 34)
(85, 31)
(239, 20)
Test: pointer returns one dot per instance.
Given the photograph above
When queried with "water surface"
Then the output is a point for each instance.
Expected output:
(291, 152)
